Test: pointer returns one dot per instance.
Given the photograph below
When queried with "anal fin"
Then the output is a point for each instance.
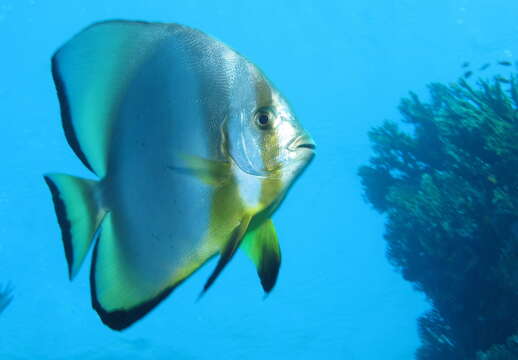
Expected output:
(121, 294)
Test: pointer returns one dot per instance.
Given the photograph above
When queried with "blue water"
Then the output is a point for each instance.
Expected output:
(343, 65)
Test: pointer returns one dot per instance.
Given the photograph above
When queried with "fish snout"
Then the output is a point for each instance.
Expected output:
(303, 141)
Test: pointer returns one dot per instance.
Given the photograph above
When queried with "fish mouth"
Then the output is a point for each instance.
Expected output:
(302, 142)
(306, 146)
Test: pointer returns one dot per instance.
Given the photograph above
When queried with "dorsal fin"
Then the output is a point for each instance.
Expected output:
(90, 72)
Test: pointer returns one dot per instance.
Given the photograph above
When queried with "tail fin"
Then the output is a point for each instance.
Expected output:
(78, 213)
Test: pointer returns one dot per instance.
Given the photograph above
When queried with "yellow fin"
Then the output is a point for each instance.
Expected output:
(262, 246)
(121, 294)
(211, 172)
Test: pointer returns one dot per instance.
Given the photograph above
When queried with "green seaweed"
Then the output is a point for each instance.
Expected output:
(448, 186)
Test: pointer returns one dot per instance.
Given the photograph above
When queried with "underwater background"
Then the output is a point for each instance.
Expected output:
(344, 66)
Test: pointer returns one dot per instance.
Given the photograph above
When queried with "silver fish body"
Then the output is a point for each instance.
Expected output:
(194, 149)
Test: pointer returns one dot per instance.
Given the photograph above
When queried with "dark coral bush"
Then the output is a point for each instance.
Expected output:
(447, 181)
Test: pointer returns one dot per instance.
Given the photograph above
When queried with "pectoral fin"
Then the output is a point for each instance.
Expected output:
(262, 246)
(211, 172)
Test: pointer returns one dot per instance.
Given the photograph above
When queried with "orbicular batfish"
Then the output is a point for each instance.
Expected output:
(193, 149)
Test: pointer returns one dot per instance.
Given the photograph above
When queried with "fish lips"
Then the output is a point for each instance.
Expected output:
(303, 141)
(303, 147)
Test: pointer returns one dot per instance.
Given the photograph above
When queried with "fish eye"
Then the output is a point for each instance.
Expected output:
(263, 119)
